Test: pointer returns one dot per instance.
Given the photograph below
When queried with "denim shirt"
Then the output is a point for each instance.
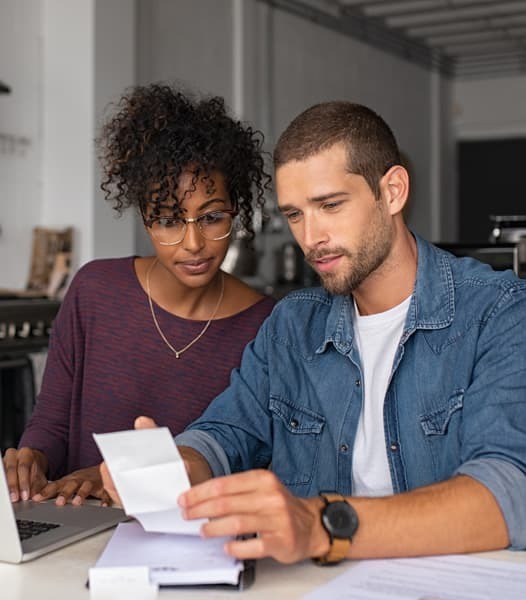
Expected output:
(455, 403)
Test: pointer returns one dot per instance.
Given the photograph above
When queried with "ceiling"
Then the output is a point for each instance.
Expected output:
(476, 37)
(464, 38)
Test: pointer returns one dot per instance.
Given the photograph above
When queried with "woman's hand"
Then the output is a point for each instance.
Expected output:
(75, 488)
(25, 472)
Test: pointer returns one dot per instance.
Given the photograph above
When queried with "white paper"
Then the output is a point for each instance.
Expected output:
(149, 475)
(431, 578)
(171, 559)
(132, 583)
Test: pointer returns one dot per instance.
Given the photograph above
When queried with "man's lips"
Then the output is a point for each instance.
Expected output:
(326, 263)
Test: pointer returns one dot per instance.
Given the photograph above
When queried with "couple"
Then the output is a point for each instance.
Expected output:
(389, 404)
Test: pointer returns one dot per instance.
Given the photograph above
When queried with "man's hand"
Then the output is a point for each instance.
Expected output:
(288, 528)
(75, 488)
(25, 472)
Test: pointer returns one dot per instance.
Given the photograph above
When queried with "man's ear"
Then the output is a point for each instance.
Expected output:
(394, 188)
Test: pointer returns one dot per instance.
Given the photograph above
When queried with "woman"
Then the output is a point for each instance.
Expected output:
(157, 335)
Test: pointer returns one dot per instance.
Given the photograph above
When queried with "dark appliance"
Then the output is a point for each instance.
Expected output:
(501, 256)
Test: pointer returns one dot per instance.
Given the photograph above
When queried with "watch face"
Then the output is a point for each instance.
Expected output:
(340, 519)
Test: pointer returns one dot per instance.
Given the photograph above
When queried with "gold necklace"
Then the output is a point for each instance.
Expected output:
(157, 326)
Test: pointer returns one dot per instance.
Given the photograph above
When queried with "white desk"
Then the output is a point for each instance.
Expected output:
(61, 575)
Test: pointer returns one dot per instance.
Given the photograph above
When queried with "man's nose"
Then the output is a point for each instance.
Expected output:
(313, 233)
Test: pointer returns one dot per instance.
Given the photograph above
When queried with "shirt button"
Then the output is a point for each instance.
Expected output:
(294, 423)
(394, 447)
(344, 448)
(357, 383)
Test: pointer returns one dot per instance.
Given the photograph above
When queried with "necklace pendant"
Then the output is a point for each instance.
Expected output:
(177, 355)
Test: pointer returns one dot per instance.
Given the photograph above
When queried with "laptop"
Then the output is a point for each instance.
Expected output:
(30, 529)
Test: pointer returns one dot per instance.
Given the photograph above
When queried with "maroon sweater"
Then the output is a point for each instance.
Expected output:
(107, 365)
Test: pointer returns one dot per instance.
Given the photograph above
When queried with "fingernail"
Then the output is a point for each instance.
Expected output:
(13, 496)
(60, 501)
(25, 494)
(76, 500)
(37, 497)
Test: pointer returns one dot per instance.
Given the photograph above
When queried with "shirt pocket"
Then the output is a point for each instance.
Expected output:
(296, 441)
(439, 421)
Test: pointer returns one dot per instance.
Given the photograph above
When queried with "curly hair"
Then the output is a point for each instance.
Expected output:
(157, 132)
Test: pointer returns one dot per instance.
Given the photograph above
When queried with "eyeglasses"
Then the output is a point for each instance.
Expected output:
(213, 226)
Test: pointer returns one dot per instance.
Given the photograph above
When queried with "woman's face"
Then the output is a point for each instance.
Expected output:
(195, 260)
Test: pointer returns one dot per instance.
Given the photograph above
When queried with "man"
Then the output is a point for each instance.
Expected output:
(400, 386)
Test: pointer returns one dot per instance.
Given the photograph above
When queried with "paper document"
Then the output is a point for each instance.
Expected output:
(430, 578)
(170, 558)
(149, 474)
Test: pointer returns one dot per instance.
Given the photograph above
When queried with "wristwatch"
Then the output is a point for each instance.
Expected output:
(340, 521)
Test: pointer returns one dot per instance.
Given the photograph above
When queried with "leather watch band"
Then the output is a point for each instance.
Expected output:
(339, 546)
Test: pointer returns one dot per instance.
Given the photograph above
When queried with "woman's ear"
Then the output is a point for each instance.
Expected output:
(394, 188)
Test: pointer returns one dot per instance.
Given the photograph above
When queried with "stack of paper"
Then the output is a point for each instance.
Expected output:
(149, 474)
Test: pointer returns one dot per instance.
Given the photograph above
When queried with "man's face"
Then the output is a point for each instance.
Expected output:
(344, 231)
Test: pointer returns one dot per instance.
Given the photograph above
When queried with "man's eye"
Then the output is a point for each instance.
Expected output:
(293, 217)
(331, 205)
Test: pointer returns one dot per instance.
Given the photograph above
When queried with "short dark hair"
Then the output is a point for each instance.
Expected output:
(156, 132)
(369, 142)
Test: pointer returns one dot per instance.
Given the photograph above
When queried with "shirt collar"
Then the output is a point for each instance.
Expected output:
(432, 303)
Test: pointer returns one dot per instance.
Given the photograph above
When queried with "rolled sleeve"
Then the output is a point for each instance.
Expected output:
(507, 483)
(207, 446)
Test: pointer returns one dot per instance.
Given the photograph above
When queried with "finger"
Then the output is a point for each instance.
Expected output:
(67, 490)
(25, 463)
(248, 481)
(235, 504)
(254, 547)
(50, 490)
(10, 464)
(105, 499)
(236, 525)
(108, 484)
(144, 423)
(38, 483)
(82, 493)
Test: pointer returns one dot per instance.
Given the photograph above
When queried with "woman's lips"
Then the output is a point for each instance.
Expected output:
(196, 267)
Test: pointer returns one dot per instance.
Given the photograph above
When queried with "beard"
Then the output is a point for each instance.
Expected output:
(366, 259)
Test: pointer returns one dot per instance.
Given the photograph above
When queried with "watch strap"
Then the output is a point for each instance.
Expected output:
(339, 546)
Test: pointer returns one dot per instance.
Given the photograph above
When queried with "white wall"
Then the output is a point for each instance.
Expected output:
(88, 60)
(20, 137)
(64, 59)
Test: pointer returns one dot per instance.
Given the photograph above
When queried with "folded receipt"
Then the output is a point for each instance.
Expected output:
(149, 475)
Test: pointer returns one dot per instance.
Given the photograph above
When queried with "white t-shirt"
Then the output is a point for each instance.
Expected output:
(377, 338)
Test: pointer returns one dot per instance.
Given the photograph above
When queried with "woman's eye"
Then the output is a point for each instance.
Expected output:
(212, 217)
(167, 223)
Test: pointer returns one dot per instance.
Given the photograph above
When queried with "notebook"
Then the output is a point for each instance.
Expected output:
(30, 529)
(168, 560)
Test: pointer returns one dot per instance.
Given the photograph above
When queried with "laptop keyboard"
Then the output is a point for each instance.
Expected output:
(28, 529)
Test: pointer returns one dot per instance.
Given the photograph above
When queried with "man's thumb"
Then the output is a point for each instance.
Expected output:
(144, 423)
